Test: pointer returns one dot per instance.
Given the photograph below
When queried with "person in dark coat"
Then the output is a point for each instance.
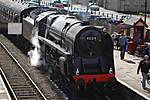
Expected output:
(144, 66)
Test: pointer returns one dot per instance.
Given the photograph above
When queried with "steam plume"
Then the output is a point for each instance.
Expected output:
(34, 54)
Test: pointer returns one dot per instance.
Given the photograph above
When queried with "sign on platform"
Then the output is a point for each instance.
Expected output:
(15, 28)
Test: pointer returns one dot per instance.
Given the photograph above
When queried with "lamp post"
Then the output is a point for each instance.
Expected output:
(145, 10)
(39, 2)
(69, 2)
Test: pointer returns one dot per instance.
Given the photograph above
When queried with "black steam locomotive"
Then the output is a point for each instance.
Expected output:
(81, 52)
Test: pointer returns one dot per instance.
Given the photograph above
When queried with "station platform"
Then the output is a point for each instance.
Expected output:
(4, 95)
(126, 71)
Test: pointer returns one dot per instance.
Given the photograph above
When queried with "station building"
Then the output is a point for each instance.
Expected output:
(127, 5)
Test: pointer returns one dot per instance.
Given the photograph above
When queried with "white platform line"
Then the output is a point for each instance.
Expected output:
(125, 84)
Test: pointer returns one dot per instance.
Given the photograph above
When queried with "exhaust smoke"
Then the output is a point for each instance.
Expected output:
(35, 53)
(34, 56)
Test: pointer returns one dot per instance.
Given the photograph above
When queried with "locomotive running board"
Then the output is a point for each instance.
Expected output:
(54, 46)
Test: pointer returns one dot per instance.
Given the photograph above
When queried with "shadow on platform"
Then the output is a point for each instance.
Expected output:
(129, 61)
(147, 90)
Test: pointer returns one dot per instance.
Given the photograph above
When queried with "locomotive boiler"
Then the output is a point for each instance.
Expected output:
(80, 51)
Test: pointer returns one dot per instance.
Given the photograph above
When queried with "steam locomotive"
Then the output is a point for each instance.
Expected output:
(80, 52)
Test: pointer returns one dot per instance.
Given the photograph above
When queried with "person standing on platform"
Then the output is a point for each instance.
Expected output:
(147, 50)
(144, 65)
(123, 43)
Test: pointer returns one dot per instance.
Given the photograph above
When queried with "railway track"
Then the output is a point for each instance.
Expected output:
(20, 83)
